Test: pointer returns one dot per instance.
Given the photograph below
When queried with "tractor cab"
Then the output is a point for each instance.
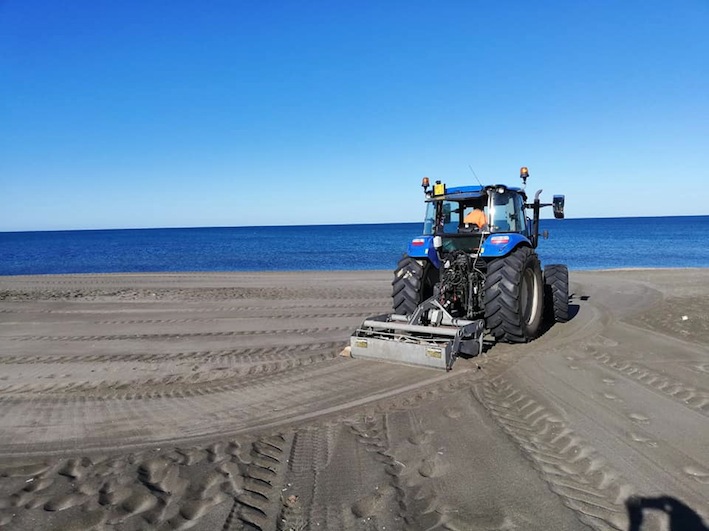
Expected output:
(463, 217)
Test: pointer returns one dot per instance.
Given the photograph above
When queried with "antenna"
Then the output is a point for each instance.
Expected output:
(475, 175)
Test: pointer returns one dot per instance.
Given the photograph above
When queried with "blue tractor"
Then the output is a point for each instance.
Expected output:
(473, 271)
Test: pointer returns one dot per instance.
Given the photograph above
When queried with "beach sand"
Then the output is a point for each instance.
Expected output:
(219, 401)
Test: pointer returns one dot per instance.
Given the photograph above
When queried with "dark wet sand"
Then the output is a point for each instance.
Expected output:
(219, 401)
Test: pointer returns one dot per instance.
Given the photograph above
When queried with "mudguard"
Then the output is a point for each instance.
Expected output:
(501, 244)
(422, 247)
(494, 246)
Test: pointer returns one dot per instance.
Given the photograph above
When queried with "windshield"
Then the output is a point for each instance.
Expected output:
(502, 211)
(453, 217)
(506, 212)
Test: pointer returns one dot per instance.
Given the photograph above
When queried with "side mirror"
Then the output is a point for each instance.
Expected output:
(558, 205)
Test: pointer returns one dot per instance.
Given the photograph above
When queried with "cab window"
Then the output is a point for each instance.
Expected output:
(507, 209)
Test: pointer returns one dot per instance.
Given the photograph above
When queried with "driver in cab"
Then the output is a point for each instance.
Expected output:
(477, 218)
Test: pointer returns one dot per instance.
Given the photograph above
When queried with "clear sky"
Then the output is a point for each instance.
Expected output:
(173, 113)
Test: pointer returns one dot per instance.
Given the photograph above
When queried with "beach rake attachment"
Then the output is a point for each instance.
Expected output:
(430, 337)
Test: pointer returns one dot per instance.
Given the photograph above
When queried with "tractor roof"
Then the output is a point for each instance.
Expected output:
(457, 193)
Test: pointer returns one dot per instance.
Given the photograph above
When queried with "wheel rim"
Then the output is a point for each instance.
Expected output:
(529, 296)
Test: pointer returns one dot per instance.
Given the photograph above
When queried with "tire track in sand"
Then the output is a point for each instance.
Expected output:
(418, 507)
(344, 475)
(329, 460)
(690, 396)
(170, 386)
(572, 468)
(236, 355)
(186, 335)
(368, 303)
(187, 294)
(259, 505)
(271, 317)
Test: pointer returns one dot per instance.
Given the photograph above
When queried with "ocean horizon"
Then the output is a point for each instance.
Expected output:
(318, 224)
(581, 243)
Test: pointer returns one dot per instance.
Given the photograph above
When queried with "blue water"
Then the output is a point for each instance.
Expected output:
(579, 243)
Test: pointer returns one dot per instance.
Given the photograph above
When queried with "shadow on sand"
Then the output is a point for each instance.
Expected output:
(680, 516)
(573, 311)
(548, 319)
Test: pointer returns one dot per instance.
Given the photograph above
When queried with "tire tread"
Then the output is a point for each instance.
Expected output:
(502, 295)
(408, 284)
(556, 287)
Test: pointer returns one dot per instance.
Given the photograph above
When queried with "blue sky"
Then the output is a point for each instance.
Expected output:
(230, 113)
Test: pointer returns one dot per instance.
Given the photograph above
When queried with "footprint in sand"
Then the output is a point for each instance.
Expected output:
(702, 367)
(38, 485)
(433, 467)
(25, 469)
(63, 502)
(452, 413)
(421, 438)
(639, 418)
(369, 505)
(643, 440)
(698, 474)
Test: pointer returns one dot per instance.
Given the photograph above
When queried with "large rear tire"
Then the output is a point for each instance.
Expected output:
(556, 292)
(413, 283)
(514, 296)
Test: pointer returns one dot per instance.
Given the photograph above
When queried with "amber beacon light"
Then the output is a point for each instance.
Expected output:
(524, 174)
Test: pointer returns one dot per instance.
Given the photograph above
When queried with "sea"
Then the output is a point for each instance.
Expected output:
(581, 244)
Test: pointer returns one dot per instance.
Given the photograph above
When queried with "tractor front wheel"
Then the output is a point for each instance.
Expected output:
(514, 296)
(556, 292)
(413, 283)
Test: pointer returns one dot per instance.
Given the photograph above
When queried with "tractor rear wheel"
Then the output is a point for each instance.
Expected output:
(556, 292)
(413, 283)
(514, 296)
